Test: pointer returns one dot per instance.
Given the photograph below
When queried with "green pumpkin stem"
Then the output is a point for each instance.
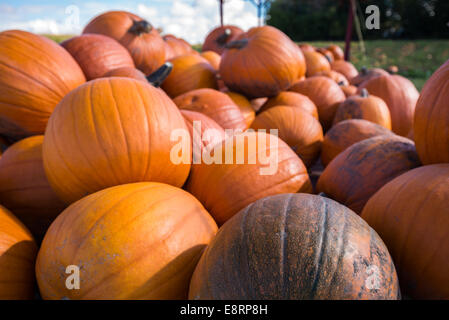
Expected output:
(140, 27)
(158, 76)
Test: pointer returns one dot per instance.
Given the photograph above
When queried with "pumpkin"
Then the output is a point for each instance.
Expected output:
(244, 168)
(261, 63)
(245, 107)
(24, 188)
(326, 53)
(315, 63)
(143, 42)
(113, 131)
(324, 93)
(215, 104)
(345, 68)
(400, 95)
(334, 75)
(364, 106)
(36, 73)
(190, 72)
(306, 47)
(431, 122)
(358, 172)
(17, 256)
(217, 39)
(410, 214)
(295, 246)
(258, 103)
(213, 58)
(134, 241)
(336, 51)
(367, 74)
(175, 47)
(287, 98)
(127, 72)
(156, 78)
(97, 54)
(345, 133)
(349, 90)
(299, 129)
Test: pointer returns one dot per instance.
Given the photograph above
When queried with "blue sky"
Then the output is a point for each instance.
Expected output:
(190, 19)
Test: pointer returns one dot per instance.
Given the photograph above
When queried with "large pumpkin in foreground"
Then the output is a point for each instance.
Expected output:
(361, 170)
(244, 168)
(134, 241)
(295, 246)
(35, 74)
(17, 257)
(261, 63)
(431, 122)
(113, 131)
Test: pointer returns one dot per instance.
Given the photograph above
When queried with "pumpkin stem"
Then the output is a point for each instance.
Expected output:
(364, 93)
(341, 83)
(223, 38)
(237, 44)
(364, 71)
(322, 194)
(158, 76)
(140, 27)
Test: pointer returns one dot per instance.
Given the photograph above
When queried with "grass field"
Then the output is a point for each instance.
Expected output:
(416, 59)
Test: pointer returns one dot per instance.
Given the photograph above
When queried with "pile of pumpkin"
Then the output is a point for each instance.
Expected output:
(87, 177)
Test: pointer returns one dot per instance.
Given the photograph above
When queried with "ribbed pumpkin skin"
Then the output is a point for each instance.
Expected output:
(326, 95)
(189, 72)
(175, 47)
(295, 246)
(334, 75)
(127, 72)
(97, 54)
(146, 49)
(36, 73)
(268, 64)
(224, 189)
(134, 241)
(431, 122)
(366, 75)
(345, 68)
(400, 95)
(346, 133)
(17, 256)
(111, 131)
(361, 170)
(287, 98)
(213, 58)
(315, 63)
(216, 39)
(24, 188)
(301, 131)
(410, 214)
(245, 107)
(215, 104)
(337, 52)
(369, 108)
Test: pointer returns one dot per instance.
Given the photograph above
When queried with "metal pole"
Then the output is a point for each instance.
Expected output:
(221, 12)
(349, 31)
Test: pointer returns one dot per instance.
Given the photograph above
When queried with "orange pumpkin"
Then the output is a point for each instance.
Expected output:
(336, 51)
(300, 130)
(315, 63)
(400, 95)
(367, 74)
(143, 42)
(190, 72)
(261, 63)
(245, 107)
(215, 104)
(113, 131)
(349, 90)
(97, 54)
(326, 95)
(334, 75)
(431, 122)
(361, 170)
(36, 73)
(364, 106)
(287, 98)
(346, 133)
(17, 256)
(213, 58)
(345, 68)
(24, 188)
(258, 103)
(260, 165)
(410, 214)
(217, 39)
(306, 47)
(145, 237)
(326, 53)
(128, 72)
(175, 47)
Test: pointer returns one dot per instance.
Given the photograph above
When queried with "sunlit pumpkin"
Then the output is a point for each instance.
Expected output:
(128, 72)
(326, 53)
(367, 74)
(345, 68)
(245, 106)
(315, 63)
(288, 98)
(348, 90)
(337, 52)
(213, 58)
(217, 39)
(175, 47)
(334, 75)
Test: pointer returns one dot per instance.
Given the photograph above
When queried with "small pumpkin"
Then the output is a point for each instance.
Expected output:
(367, 74)
(112, 131)
(336, 51)
(410, 214)
(261, 63)
(97, 54)
(300, 130)
(190, 72)
(334, 75)
(288, 98)
(245, 106)
(133, 241)
(358, 172)
(364, 106)
(18, 252)
(306, 47)
(143, 42)
(345, 68)
(260, 165)
(346, 133)
(215, 104)
(217, 39)
(349, 90)
(326, 53)
(295, 246)
(213, 58)
(315, 63)
(36, 73)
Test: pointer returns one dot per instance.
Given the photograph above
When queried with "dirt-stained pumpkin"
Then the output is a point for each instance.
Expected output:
(217, 39)
(288, 98)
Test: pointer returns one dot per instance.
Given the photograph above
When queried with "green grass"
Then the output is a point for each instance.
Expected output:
(58, 37)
